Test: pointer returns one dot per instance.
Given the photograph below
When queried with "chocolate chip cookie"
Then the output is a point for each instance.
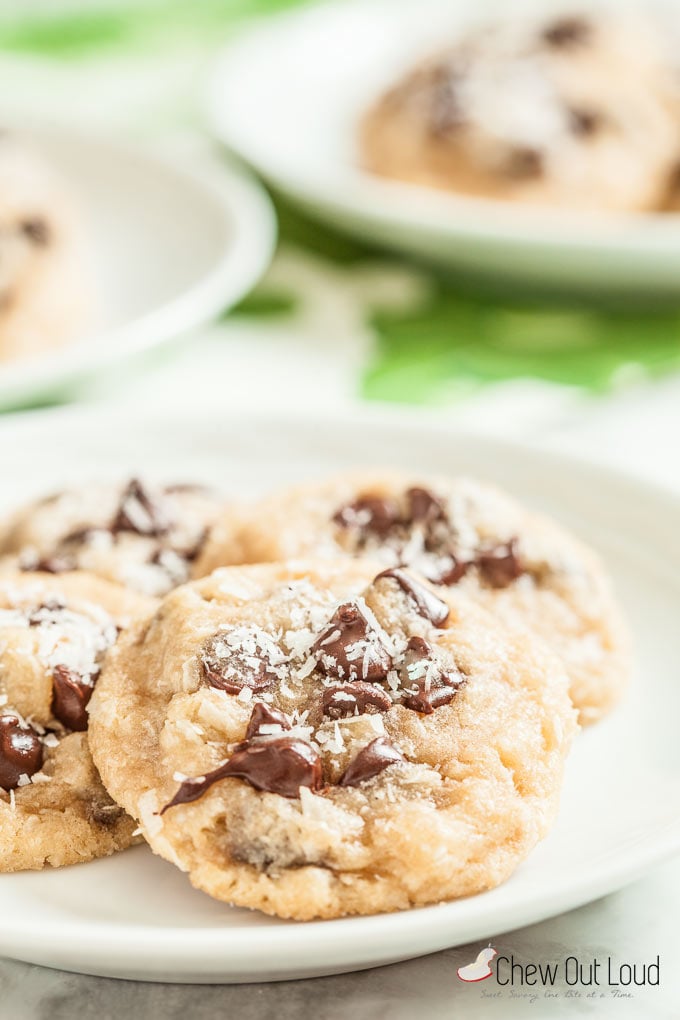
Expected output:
(140, 535)
(579, 111)
(317, 739)
(54, 636)
(46, 292)
(458, 533)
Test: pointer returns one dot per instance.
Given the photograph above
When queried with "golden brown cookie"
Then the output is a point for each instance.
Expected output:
(54, 636)
(458, 533)
(313, 740)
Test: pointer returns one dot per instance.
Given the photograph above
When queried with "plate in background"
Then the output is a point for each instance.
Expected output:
(172, 244)
(287, 94)
(135, 916)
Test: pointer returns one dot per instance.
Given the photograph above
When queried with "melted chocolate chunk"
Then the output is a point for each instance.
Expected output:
(37, 230)
(343, 700)
(21, 751)
(70, 695)
(567, 32)
(263, 715)
(350, 648)
(46, 612)
(585, 123)
(139, 513)
(231, 669)
(424, 507)
(451, 571)
(426, 602)
(371, 761)
(500, 565)
(52, 565)
(375, 514)
(276, 766)
(434, 685)
(524, 163)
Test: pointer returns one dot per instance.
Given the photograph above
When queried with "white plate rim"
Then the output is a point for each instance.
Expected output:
(348, 190)
(238, 199)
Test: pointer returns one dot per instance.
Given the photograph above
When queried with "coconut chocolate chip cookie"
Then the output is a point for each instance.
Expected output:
(577, 111)
(46, 294)
(327, 738)
(54, 636)
(458, 533)
(145, 537)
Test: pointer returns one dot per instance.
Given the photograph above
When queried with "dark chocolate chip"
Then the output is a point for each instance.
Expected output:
(343, 700)
(350, 648)
(37, 230)
(70, 695)
(139, 512)
(524, 163)
(46, 612)
(375, 514)
(106, 815)
(567, 32)
(371, 761)
(231, 669)
(500, 565)
(21, 751)
(275, 766)
(450, 571)
(426, 602)
(436, 688)
(585, 123)
(263, 715)
(424, 507)
(52, 565)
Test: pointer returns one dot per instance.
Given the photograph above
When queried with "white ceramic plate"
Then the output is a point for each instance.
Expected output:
(135, 916)
(171, 247)
(287, 95)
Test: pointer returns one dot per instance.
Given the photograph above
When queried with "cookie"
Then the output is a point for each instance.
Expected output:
(46, 292)
(54, 636)
(313, 740)
(578, 112)
(458, 533)
(145, 537)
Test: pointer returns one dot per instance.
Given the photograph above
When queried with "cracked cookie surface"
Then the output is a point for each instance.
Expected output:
(323, 738)
(54, 636)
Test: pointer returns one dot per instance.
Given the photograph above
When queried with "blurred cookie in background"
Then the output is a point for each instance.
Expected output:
(578, 110)
(46, 287)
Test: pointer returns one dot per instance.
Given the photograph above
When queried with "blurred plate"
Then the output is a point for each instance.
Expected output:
(287, 94)
(172, 247)
(136, 916)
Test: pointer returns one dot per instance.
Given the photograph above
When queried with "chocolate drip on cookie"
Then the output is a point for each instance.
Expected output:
(279, 766)
(21, 752)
